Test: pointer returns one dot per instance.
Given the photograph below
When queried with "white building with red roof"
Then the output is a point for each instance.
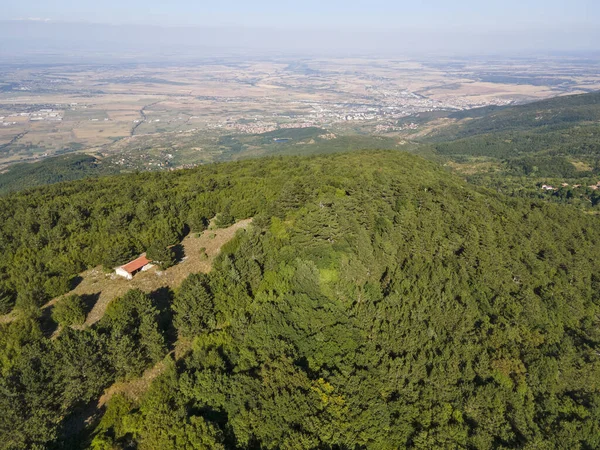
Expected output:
(131, 268)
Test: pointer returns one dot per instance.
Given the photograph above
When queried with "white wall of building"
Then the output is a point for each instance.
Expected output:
(123, 273)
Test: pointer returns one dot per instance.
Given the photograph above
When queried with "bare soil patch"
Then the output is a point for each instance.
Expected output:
(134, 389)
(111, 286)
(99, 287)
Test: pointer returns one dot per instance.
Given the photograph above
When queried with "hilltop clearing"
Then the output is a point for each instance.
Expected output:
(199, 253)
(101, 286)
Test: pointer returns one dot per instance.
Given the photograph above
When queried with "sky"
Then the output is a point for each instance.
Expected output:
(461, 26)
(371, 14)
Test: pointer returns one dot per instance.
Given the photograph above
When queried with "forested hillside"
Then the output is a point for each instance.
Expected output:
(282, 142)
(518, 149)
(560, 129)
(548, 115)
(50, 171)
(375, 302)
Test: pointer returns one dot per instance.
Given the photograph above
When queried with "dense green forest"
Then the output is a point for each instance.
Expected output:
(560, 127)
(548, 115)
(52, 170)
(284, 142)
(580, 141)
(517, 149)
(377, 301)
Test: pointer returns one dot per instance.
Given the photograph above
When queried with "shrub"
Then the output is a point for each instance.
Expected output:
(56, 286)
(224, 218)
(203, 254)
(7, 299)
(194, 306)
(161, 255)
(197, 221)
(69, 311)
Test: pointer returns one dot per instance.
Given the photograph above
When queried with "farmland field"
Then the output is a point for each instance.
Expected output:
(163, 116)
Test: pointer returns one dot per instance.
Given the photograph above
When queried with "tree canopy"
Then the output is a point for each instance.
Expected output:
(377, 302)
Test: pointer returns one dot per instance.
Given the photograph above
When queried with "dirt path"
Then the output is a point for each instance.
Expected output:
(110, 286)
(6, 318)
(134, 389)
(100, 288)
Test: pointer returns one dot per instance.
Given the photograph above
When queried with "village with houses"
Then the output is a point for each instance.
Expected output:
(548, 187)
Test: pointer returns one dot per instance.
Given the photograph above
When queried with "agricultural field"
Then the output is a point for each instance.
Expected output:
(163, 116)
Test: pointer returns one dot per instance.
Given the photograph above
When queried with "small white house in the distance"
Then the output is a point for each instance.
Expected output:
(128, 270)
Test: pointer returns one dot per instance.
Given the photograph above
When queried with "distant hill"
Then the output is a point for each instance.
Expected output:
(517, 149)
(564, 130)
(290, 141)
(546, 115)
(577, 139)
(51, 170)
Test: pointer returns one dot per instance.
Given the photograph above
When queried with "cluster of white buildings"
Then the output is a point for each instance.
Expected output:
(547, 187)
(7, 123)
(46, 114)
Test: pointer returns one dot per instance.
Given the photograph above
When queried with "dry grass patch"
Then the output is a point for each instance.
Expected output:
(199, 254)
(581, 166)
(110, 286)
(133, 389)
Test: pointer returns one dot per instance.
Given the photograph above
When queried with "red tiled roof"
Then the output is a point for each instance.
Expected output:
(136, 264)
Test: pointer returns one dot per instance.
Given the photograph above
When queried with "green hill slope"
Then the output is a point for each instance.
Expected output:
(548, 115)
(376, 302)
(50, 171)
(518, 149)
(559, 127)
(284, 142)
(581, 141)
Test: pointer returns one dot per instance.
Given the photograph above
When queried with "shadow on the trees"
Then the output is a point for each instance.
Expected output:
(161, 299)
(47, 325)
(75, 428)
(89, 300)
(75, 281)
(179, 252)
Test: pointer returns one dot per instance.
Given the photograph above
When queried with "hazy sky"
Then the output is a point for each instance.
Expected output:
(352, 26)
(389, 14)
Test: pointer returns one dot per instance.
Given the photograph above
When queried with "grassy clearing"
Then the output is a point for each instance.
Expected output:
(110, 286)
(100, 288)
